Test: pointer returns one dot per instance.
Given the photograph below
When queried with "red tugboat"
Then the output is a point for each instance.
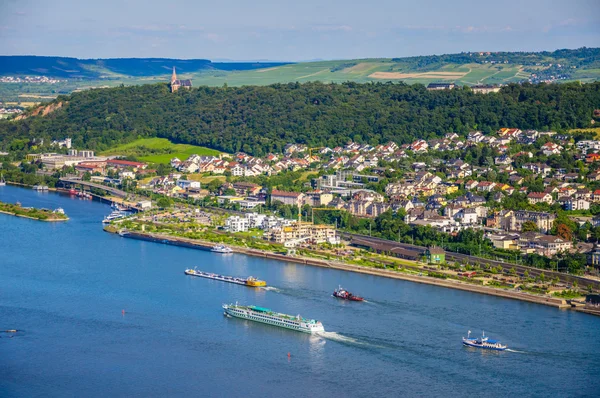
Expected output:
(345, 295)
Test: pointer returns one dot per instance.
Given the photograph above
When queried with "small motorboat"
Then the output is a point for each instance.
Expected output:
(346, 295)
(482, 342)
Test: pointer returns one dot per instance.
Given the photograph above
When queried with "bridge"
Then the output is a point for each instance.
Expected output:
(114, 191)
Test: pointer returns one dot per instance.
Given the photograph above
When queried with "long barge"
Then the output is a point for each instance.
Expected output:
(249, 281)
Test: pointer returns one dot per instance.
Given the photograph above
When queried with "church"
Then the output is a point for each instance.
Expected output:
(176, 83)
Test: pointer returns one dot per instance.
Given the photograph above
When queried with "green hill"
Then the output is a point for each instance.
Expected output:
(263, 119)
(468, 68)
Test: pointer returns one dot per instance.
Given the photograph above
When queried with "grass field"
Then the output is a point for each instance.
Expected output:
(204, 179)
(595, 130)
(159, 150)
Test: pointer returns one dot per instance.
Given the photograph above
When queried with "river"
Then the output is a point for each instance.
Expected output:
(64, 287)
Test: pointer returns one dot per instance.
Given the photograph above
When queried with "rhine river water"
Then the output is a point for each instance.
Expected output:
(64, 286)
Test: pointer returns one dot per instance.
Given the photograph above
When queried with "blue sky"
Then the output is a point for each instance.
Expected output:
(292, 30)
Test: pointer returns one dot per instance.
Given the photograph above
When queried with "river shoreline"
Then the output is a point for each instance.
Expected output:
(206, 245)
(34, 218)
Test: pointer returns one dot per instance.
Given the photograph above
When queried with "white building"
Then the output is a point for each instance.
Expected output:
(186, 184)
(144, 204)
(237, 224)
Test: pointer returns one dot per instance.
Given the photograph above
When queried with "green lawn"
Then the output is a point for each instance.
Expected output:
(159, 150)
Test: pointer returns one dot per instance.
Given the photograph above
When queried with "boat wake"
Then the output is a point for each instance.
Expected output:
(271, 289)
(338, 337)
(520, 352)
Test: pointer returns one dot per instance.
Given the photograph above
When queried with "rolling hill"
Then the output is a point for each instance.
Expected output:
(470, 68)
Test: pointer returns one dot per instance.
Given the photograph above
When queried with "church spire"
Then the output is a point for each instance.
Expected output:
(174, 76)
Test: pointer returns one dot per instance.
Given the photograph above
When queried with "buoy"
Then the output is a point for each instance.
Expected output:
(123, 312)
(289, 355)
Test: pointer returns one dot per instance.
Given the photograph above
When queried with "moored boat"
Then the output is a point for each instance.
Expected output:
(249, 281)
(115, 215)
(265, 315)
(346, 295)
(221, 249)
(2, 181)
(483, 342)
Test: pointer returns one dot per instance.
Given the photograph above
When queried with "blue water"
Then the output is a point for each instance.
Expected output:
(64, 286)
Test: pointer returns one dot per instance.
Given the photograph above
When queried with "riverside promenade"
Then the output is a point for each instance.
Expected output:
(451, 284)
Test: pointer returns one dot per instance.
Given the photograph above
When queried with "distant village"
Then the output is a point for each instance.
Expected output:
(29, 79)
(434, 183)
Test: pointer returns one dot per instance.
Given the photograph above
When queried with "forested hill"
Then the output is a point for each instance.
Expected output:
(263, 119)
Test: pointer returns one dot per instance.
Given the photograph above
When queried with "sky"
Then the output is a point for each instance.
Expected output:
(292, 30)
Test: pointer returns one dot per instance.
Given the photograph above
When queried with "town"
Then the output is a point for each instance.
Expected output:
(526, 192)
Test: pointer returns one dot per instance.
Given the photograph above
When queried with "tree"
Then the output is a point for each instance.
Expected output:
(564, 232)
(164, 202)
(86, 176)
(529, 226)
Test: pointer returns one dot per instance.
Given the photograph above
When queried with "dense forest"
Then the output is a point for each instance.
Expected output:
(259, 120)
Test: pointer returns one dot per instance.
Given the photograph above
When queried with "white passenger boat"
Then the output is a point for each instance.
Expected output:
(265, 315)
(221, 249)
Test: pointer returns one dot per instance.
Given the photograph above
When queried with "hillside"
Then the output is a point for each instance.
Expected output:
(259, 119)
(464, 69)
(91, 69)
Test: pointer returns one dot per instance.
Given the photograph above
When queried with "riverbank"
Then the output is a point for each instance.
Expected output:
(451, 284)
(31, 213)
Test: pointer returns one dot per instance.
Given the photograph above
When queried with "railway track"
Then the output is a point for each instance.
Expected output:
(520, 269)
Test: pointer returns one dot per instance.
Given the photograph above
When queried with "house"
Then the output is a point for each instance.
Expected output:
(435, 255)
(485, 88)
(467, 216)
(287, 198)
(504, 159)
(548, 245)
(185, 184)
(471, 184)
(538, 168)
(513, 221)
(551, 148)
(503, 241)
(440, 86)
(592, 157)
(538, 197)
(485, 186)
(144, 204)
(575, 204)
(237, 224)
(318, 198)
(246, 188)
(124, 164)
(516, 179)
(595, 176)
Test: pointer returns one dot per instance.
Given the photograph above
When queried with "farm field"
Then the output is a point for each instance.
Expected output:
(159, 150)
(362, 71)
